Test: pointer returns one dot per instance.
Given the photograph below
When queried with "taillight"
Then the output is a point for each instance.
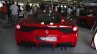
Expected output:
(75, 28)
(42, 23)
(18, 26)
(62, 20)
(51, 23)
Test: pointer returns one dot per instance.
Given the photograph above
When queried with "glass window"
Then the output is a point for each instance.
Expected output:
(47, 17)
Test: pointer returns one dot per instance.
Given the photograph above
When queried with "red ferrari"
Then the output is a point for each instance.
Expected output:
(87, 21)
(47, 29)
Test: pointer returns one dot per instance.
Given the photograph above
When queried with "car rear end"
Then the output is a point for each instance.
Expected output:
(48, 29)
(56, 35)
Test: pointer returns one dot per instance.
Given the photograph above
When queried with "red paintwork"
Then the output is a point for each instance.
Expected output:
(31, 36)
(89, 20)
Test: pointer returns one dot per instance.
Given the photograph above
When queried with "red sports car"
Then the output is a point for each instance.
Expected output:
(87, 21)
(47, 29)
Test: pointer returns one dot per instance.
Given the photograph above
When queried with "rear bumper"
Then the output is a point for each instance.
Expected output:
(64, 40)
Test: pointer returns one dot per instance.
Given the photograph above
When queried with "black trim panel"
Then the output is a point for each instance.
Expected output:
(29, 29)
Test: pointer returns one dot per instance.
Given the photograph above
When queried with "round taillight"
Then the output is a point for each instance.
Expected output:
(75, 28)
(63, 20)
(51, 23)
(18, 26)
(42, 23)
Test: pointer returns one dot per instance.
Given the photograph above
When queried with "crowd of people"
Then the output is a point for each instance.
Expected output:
(10, 11)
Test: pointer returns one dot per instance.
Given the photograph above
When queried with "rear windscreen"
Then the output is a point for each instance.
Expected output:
(47, 17)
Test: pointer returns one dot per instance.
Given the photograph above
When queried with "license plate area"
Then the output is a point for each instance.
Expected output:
(49, 39)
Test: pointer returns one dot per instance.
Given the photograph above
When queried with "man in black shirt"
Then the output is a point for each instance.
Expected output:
(9, 11)
(27, 9)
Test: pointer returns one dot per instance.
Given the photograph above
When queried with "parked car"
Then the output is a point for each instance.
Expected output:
(87, 21)
(88, 15)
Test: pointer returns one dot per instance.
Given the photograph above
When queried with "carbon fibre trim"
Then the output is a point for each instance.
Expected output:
(29, 29)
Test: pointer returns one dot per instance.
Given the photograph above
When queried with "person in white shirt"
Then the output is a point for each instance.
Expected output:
(69, 12)
(14, 12)
(78, 12)
(56, 8)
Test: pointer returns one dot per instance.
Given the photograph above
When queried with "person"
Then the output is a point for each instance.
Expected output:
(19, 10)
(65, 11)
(42, 6)
(35, 8)
(69, 11)
(77, 12)
(9, 11)
(14, 12)
(27, 9)
(56, 8)
(75, 15)
(4, 11)
(59, 9)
